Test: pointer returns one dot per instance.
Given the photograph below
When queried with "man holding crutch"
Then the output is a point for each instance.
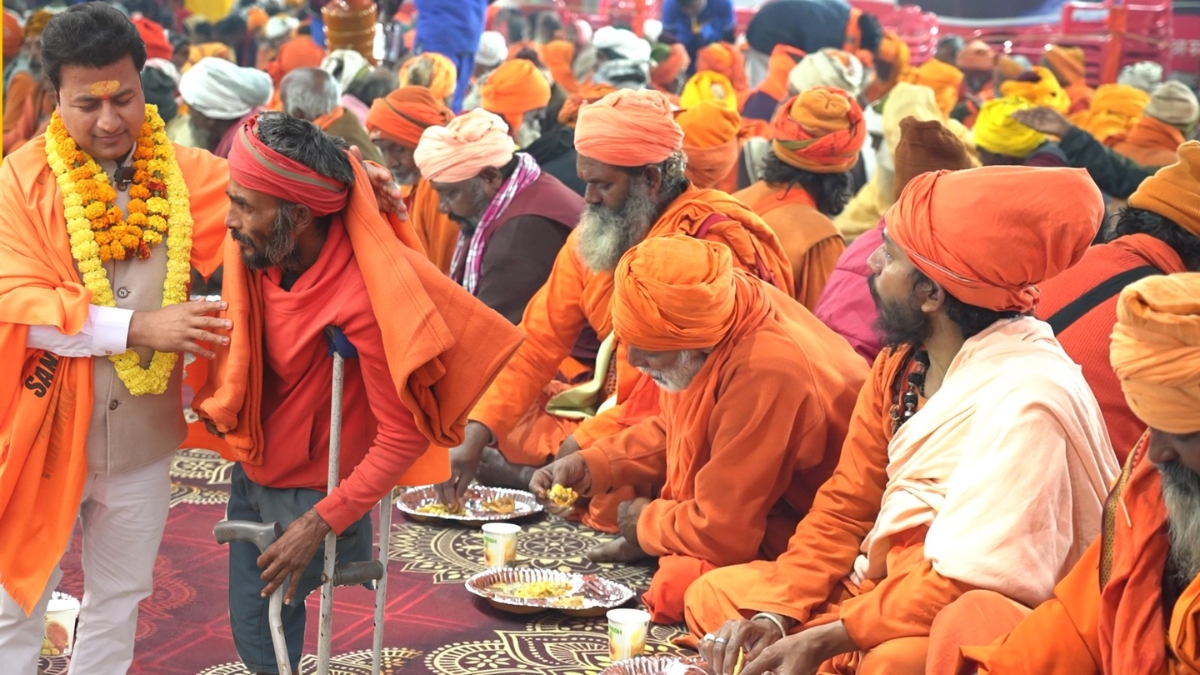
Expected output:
(309, 249)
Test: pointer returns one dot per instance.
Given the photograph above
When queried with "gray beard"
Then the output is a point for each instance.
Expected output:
(680, 376)
(606, 234)
(1181, 496)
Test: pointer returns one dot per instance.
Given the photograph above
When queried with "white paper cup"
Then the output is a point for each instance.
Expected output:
(499, 544)
(60, 625)
(627, 630)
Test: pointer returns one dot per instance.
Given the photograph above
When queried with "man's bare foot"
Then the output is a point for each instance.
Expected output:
(496, 471)
(618, 550)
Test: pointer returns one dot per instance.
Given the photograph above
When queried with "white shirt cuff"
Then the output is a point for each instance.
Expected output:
(110, 329)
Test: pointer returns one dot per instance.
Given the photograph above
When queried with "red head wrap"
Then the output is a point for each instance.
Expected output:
(256, 167)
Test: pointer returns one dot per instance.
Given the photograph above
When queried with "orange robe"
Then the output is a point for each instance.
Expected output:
(1151, 143)
(575, 296)
(27, 111)
(44, 432)
(812, 242)
(1109, 619)
(761, 426)
(438, 234)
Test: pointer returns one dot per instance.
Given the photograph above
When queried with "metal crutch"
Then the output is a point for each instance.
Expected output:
(262, 535)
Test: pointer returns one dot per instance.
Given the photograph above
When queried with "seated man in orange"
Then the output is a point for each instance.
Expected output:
(395, 125)
(818, 136)
(630, 156)
(1133, 612)
(756, 397)
(934, 494)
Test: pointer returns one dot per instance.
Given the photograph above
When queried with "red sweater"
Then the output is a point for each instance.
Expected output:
(1087, 340)
(380, 440)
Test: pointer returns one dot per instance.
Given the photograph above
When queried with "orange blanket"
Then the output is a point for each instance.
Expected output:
(46, 401)
(444, 347)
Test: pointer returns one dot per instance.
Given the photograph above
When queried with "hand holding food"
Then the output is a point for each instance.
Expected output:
(569, 473)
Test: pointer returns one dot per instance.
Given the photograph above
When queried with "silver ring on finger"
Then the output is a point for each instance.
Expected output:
(709, 638)
(721, 641)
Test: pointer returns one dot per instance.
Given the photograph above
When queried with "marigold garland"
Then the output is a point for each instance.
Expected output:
(158, 207)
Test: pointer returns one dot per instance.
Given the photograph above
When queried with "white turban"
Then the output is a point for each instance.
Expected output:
(652, 29)
(1146, 75)
(492, 49)
(1174, 103)
(828, 68)
(165, 66)
(583, 32)
(280, 26)
(344, 65)
(627, 45)
(221, 90)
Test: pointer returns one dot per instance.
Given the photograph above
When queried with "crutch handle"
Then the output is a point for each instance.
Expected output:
(261, 535)
(358, 573)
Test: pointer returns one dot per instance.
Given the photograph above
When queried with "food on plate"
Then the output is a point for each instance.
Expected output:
(436, 509)
(536, 590)
(562, 497)
(501, 505)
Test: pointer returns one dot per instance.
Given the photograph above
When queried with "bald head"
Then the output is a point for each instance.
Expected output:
(308, 93)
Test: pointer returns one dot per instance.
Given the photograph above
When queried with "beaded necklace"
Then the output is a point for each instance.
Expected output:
(904, 408)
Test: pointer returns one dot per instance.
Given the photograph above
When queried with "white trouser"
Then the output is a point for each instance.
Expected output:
(123, 518)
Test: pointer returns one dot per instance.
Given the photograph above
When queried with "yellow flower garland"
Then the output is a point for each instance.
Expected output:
(159, 204)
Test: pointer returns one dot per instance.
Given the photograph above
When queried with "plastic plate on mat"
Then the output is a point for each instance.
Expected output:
(481, 505)
(658, 665)
(572, 594)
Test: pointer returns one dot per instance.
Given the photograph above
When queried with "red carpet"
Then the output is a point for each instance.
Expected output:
(433, 625)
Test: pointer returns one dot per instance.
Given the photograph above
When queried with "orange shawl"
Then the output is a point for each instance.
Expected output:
(46, 401)
(444, 347)
(1151, 143)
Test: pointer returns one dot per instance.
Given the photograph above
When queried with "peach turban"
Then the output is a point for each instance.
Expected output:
(710, 141)
(469, 144)
(513, 89)
(1040, 88)
(1156, 351)
(14, 38)
(432, 71)
(998, 133)
(405, 114)
(709, 86)
(977, 55)
(588, 93)
(943, 78)
(1116, 109)
(1174, 192)
(628, 128)
(1069, 63)
(820, 130)
(990, 235)
(726, 59)
(666, 72)
(673, 293)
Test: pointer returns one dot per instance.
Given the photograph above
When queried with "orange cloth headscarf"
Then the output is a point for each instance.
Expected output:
(1156, 351)
(779, 66)
(943, 78)
(1115, 110)
(1039, 87)
(710, 141)
(588, 93)
(299, 52)
(894, 52)
(559, 57)
(990, 235)
(432, 71)
(666, 72)
(405, 114)
(726, 59)
(820, 130)
(1068, 63)
(628, 128)
(977, 55)
(470, 143)
(513, 89)
(673, 293)
(1174, 192)
(14, 38)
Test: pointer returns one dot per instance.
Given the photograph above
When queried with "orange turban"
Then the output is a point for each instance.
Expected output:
(990, 235)
(674, 293)
(405, 114)
(157, 46)
(1174, 192)
(589, 93)
(894, 52)
(470, 143)
(1156, 351)
(297, 53)
(432, 71)
(1040, 88)
(943, 78)
(513, 89)
(667, 71)
(559, 57)
(710, 141)
(628, 128)
(724, 58)
(977, 55)
(1069, 63)
(820, 130)
(256, 19)
(1116, 109)
(14, 38)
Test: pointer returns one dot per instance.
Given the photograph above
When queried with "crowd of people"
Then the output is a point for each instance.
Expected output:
(888, 367)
